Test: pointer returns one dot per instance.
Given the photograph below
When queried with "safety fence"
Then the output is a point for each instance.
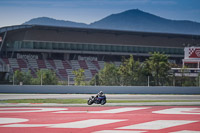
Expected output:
(61, 89)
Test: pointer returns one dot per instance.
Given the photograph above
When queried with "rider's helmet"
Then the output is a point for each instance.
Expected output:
(101, 92)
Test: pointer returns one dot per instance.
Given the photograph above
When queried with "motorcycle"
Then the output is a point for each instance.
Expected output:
(97, 100)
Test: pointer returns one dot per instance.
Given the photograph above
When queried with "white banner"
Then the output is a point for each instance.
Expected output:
(26, 56)
(87, 58)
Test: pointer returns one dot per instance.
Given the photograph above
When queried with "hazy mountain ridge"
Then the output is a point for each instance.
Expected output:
(54, 22)
(132, 20)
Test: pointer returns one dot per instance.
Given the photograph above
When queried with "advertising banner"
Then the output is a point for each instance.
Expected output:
(192, 52)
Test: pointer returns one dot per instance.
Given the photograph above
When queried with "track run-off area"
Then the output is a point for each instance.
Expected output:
(124, 119)
(109, 96)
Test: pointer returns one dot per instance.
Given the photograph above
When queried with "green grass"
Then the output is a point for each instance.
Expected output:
(62, 101)
(146, 101)
(80, 101)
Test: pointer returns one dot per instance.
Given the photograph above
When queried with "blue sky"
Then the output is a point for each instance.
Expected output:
(14, 12)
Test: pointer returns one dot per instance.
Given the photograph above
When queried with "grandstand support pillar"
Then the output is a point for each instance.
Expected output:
(174, 79)
(199, 80)
(4, 37)
(66, 56)
(183, 64)
(68, 80)
(41, 79)
(13, 79)
(44, 56)
(95, 80)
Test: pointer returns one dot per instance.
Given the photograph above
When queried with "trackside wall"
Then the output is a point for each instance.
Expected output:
(94, 89)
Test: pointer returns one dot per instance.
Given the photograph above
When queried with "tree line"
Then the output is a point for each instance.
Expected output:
(134, 73)
(154, 71)
(43, 77)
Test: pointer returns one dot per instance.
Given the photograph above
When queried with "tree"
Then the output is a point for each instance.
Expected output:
(79, 77)
(24, 77)
(27, 78)
(18, 77)
(198, 80)
(184, 80)
(47, 77)
(158, 66)
(109, 75)
(130, 72)
(95, 80)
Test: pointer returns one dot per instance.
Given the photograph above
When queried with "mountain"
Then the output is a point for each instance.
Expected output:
(137, 20)
(131, 20)
(53, 22)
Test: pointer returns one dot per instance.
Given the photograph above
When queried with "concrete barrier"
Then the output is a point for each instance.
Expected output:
(56, 89)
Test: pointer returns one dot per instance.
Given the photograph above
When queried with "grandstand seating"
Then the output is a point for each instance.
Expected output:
(41, 64)
(83, 64)
(5, 60)
(33, 63)
(94, 72)
(66, 65)
(101, 64)
(88, 74)
(24, 69)
(1, 66)
(62, 73)
(75, 64)
(58, 64)
(91, 66)
(63, 68)
(51, 62)
(117, 63)
(33, 73)
(48, 65)
(70, 73)
(96, 64)
(22, 63)
(15, 69)
(4, 67)
(13, 63)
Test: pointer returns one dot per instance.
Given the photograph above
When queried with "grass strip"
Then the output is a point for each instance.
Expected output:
(80, 101)
(62, 101)
(146, 101)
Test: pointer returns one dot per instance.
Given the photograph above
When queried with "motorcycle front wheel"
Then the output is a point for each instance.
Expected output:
(103, 102)
(89, 102)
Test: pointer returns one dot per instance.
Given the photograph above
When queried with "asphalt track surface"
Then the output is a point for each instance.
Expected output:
(109, 96)
(135, 119)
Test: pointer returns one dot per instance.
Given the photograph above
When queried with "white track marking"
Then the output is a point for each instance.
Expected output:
(111, 111)
(76, 124)
(14, 110)
(71, 112)
(27, 125)
(178, 111)
(11, 120)
(85, 123)
(118, 131)
(158, 124)
(186, 131)
(119, 110)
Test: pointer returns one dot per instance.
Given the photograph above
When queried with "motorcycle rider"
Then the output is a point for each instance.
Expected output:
(100, 94)
(100, 98)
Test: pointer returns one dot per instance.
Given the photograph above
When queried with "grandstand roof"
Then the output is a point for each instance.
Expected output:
(97, 36)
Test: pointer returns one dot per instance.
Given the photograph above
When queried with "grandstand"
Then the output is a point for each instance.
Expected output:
(64, 49)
